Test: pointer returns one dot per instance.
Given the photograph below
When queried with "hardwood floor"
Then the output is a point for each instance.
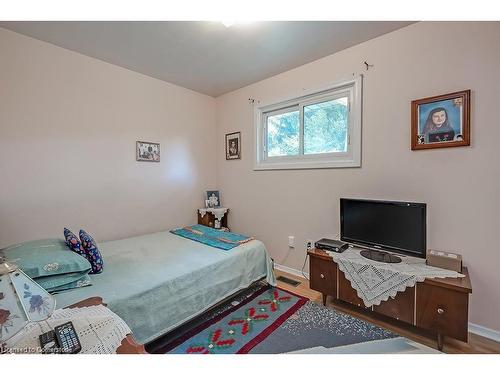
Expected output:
(476, 344)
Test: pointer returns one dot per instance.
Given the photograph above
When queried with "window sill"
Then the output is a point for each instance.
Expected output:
(330, 164)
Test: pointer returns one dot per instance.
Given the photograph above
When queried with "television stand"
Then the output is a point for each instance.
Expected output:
(380, 256)
(436, 306)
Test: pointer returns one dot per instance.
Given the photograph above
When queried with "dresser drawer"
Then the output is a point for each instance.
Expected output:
(401, 307)
(442, 310)
(323, 276)
(347, 293)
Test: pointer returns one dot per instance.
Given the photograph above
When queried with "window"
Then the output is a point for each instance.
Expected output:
(318, 130)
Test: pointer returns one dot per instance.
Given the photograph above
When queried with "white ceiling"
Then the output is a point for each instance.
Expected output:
(206, 56)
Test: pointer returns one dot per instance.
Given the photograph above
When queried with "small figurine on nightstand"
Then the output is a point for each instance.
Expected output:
(217, 223)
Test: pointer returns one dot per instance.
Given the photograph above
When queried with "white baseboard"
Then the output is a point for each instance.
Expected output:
(473, 328)
(484, 331)
(292, 271)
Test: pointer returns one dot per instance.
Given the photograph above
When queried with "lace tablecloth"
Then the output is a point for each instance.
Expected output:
(376, 282)
(217, 212)
(99, 329)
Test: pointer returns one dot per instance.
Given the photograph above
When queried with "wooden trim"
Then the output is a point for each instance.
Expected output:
(91, 301)
(292, 271)
(484, 331)
(465, 95)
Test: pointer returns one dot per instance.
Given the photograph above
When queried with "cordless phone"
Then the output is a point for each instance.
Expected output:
(63, 339)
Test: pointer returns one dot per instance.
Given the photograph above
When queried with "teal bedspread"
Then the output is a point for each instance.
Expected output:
(158, 281)
(212, 237)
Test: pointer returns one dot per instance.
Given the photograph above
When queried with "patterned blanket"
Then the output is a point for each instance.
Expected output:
(212, 237)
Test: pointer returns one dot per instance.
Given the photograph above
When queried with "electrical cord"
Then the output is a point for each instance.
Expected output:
(302, 270)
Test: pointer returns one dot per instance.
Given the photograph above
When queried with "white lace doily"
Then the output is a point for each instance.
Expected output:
(99, 330)
(376, 282)
(217, 212)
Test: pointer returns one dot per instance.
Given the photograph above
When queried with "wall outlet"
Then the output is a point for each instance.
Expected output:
(291, 241)
(309, 244)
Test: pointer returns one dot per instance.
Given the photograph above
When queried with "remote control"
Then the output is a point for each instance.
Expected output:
(67, 338)
(48, 342)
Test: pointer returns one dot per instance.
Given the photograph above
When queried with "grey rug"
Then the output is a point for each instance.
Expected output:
(314, 325)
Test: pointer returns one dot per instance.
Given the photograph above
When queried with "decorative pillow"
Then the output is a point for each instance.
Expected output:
(73, 242)
(46, 258)
(92, 252)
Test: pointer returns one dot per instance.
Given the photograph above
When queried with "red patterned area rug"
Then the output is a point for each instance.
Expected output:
(240, 328)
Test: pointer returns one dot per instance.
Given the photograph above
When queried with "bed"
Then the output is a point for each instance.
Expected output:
(157, 282)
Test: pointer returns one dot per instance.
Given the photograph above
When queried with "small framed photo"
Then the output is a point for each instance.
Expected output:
(233, 146)
(147, 151)
(441, 121)
(213, 198)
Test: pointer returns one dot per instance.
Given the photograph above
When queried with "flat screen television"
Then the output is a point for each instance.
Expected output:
(393, 226)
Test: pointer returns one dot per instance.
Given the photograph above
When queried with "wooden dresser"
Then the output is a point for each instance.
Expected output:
(440, 306)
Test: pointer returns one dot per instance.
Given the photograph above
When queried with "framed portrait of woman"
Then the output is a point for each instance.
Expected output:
(441, 121)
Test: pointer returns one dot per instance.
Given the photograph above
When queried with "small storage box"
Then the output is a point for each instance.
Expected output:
(443, 259)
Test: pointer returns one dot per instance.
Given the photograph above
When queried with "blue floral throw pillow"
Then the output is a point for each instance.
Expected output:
(92, 252)
(73, 242)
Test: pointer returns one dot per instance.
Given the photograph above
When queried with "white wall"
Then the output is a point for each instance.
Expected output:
(460, 185)
(68, 127)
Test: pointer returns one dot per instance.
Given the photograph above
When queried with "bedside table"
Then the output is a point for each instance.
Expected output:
(214, 217)
(129, 345)
(100, 331)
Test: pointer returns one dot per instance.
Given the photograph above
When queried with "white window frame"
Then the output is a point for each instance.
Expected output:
(349, 159)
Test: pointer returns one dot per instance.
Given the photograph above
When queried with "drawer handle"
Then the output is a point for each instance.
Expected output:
(322, 276)
(440, 311)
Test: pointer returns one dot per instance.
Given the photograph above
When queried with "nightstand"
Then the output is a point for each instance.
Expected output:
(214, 217)
(99, 330)
(129, 345)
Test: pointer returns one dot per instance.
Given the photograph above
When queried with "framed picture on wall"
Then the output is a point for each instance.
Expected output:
(147, 151)
(441, 121)
(233, 146)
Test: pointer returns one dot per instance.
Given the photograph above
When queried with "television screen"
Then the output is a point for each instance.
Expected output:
(393, 226)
